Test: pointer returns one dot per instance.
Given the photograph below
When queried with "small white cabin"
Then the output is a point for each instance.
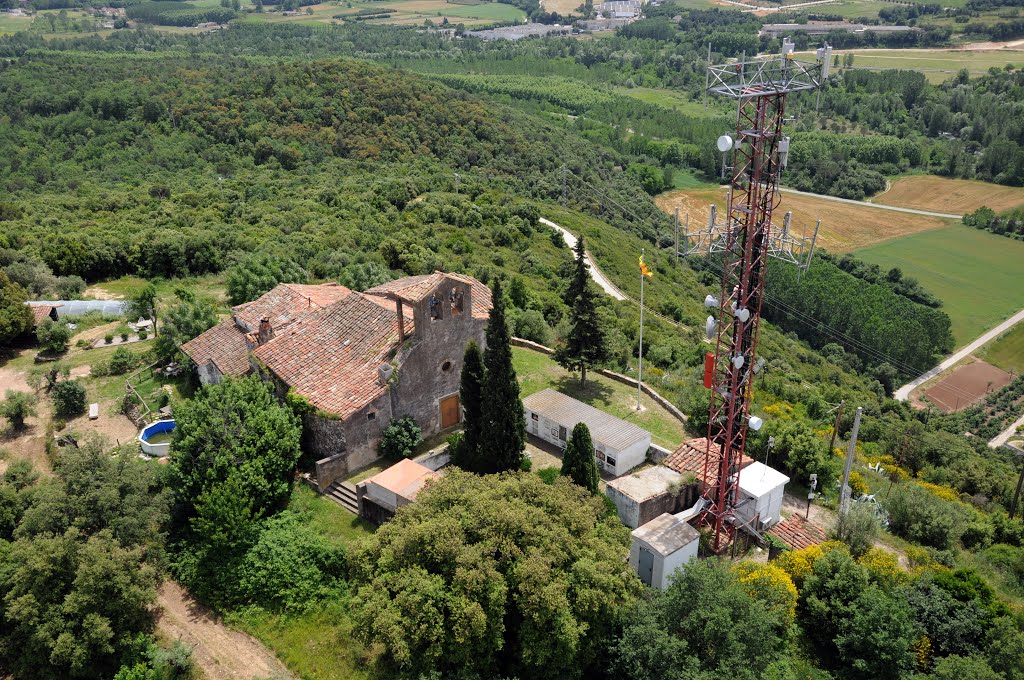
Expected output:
(619, 446)
(760, 499)
(660, 547)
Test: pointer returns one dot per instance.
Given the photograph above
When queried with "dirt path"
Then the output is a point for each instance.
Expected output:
(221, 653)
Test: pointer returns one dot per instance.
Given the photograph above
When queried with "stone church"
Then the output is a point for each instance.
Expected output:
(359, 359)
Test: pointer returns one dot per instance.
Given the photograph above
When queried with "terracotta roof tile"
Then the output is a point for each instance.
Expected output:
(41, 312)
(797, 533)
(287, 301)
(690, 455)
(331, 356)
(224, 344)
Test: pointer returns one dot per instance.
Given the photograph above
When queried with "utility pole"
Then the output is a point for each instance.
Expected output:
(844, 490)
(675, 251)
(835, 428)
(1020, 481)
(565, 171)
(640, 353)
(457, 184)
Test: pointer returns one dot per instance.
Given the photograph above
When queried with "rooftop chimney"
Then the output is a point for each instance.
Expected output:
(265, 332)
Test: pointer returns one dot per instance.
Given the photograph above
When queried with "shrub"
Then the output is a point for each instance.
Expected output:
(799, 563)
(17, 407)
(291, 567)
(53, 337)
(549, 475)
(883, 568)
(857, 528)
(400, 438)
(143, 335)
(122, 361)
(108, 338)
(124, 336)
(921, 517)
(68, 399)
(772, 586)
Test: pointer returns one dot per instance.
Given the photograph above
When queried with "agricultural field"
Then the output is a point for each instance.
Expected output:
(563, 7)
(937, 65)
(405, 12)
(976, 274)
(1006, 351)
(967, 385)
(942, 194)
(844, 226)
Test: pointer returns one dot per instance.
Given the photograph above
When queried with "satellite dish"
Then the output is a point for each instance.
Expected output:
(710, 326)
(743, 314)
(724, 143)
(738, 361)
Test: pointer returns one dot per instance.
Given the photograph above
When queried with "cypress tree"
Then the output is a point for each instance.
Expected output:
(578, 462)
(584, 346)
(471, 400)
(503, 427)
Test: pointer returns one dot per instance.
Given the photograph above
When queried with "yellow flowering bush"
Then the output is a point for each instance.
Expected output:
(883, 567)
(857, 484)
(780, 410)
(946, 493)
(799, 563)
(923, 653)
(771, 585)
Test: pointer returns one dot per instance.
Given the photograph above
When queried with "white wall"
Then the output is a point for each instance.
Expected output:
(664, 565)
(626, 460)
(629, 509)
(630, 457)
(382, 496)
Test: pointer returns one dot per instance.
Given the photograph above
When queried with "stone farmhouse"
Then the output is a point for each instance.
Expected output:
(358, 359)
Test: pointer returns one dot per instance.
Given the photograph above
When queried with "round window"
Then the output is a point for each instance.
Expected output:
(446, 366)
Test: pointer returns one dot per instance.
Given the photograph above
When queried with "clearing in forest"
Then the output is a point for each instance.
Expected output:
(977, 275)
(945, 195)
(844, 227)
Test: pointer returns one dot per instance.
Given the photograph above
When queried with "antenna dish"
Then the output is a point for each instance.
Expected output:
(724, 143)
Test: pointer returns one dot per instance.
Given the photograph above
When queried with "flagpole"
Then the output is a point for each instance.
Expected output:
(640, 357)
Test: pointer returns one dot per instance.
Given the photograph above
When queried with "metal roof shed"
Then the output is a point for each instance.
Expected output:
(660, 547)
(760, 501)
(619, 446)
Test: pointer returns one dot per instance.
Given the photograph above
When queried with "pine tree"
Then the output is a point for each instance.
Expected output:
(471, 399)
(503, 427)
(578, 462)
(584, 346)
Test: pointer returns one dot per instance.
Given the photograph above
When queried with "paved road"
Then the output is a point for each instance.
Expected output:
(904, 392)
(599, 278)
(912, 211)
(1005, 435)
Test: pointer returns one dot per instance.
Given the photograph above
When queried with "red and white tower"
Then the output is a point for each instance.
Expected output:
(744, 240)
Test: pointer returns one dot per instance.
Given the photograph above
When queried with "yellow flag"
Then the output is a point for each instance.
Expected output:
(643, 268)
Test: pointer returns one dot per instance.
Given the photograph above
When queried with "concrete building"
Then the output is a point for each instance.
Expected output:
(619, 446)
(359, 359)
(380, 496)
(644, 495)
(660, 547)
(760, 499)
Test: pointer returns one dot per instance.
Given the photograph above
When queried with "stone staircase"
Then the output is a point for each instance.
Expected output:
(344, 494)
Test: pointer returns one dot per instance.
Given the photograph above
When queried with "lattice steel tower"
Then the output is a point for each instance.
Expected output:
(745, 239)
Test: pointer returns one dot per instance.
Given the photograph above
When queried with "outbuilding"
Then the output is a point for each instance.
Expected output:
(642, 496)
(660, 547)
(619, 446)
(380, 496)
(760, 499)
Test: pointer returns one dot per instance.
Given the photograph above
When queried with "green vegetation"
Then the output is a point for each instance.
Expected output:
(1006, 351)
(584, 346)
(17, 407)
(503, 423)
(974, 273)
(578, 462)
(400, 438)
(466, 450)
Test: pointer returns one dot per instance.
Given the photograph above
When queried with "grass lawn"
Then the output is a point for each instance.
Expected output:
(318, 645)
(937, 65)
(1006, 351)
(677, 101)
(538, 371)
(976, 274)
(946, 195)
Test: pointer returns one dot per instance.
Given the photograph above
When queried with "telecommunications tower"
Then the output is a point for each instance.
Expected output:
(744, 239)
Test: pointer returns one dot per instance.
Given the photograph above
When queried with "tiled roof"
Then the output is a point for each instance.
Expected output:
(797, 533)
(604, 427)
(287, 301)
(415, 288)
(405, 478)
(41, 312)
(331, 356)
(224, 344)
(689, 457)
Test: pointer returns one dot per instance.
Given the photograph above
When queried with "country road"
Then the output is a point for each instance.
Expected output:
(903, 393)
(912, 211)
(595, 273)
(1005, 435)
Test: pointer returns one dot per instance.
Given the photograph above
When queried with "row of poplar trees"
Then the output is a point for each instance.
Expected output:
(494, 435)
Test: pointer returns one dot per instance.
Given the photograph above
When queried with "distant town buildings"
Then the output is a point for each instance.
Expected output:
(520, 31)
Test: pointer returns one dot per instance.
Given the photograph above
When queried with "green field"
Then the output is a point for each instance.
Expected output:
(976, 274)
(937, 65)
(1006, 351)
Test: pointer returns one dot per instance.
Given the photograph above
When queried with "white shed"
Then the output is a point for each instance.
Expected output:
(660, 547)
(760, 497)
(619, 446)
